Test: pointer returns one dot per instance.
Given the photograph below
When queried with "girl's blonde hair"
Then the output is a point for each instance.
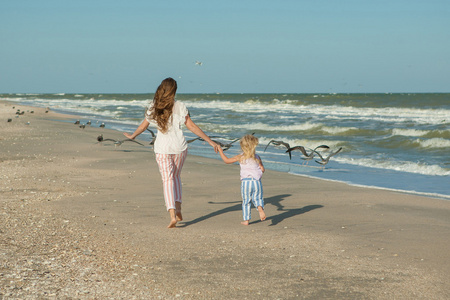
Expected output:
(163, 103)
(248, 146)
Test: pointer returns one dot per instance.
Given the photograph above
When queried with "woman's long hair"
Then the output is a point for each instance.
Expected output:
(163, 103)
(248, 146)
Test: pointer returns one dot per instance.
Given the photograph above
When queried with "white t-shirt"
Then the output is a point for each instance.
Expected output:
(251, 169)
(173, 141)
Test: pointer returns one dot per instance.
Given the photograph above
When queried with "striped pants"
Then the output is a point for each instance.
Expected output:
(170, 166)
(251, 191)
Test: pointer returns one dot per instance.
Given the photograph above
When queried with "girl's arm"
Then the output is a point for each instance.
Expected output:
(229, 160)
(197, 131)
(261, 166)
(141, 128)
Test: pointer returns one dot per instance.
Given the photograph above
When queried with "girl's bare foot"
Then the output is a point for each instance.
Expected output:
(179, 216)
(244, 223)
(262, 214)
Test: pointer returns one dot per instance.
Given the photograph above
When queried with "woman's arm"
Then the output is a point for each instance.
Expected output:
(197, 131)
(141, 128)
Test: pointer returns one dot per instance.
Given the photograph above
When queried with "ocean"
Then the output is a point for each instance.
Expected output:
(398, 142)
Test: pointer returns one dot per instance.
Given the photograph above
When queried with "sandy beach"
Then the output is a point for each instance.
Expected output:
(82, 220)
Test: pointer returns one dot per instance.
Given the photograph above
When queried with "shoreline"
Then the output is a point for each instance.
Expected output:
(383, 186)
(88, 221)
(423, 194)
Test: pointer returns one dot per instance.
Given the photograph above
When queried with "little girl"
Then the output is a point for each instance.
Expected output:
(251, 172)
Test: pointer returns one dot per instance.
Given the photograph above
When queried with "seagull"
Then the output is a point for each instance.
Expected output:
(225, 147)
(82, 126)
(198, 63)
(102, 125)
(77, 122)
(279, 143)
(324, 161)
(9, 120)
(100, 138)
(153, 136)
(88, 122)
(309, 156)
(200, 139)
(120, 142)
(193, 140)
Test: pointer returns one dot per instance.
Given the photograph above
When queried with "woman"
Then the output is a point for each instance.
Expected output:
(170, 145)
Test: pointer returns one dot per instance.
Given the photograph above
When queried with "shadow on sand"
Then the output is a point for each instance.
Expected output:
(275, 219)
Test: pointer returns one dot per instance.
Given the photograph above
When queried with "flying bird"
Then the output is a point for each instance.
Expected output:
(200, 139)
(279, 143)
(308, 156)
(198, 63)
(153, 136)
(120, 142)
(225, 147)
(324, 161)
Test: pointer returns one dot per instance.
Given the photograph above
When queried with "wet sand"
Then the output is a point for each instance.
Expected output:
(87, 221)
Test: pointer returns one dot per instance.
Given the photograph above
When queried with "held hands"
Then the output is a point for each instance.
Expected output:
(220, 150)
(215, 146)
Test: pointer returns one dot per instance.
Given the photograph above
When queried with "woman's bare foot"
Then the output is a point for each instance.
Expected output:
(173, 219)
(172, 224)
(244, 223)
(262, 214)
(178, 214)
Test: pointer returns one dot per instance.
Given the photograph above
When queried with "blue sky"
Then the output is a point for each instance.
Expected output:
(258, 46)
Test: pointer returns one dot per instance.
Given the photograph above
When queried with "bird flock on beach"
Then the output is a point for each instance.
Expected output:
(304, 150)
(19, 112)
(308, 154)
